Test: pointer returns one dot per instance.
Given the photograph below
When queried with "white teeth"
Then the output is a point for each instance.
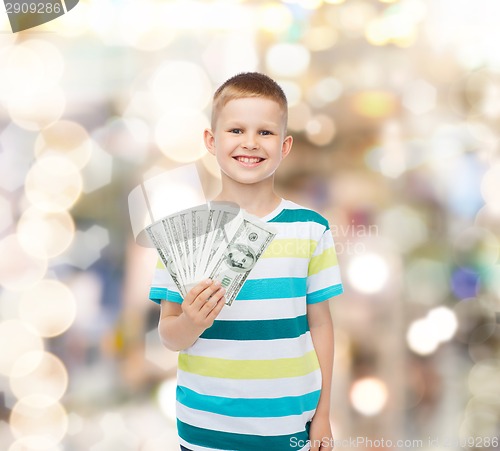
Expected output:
(248, 159)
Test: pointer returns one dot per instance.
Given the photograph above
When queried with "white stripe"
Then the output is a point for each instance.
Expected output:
(266, 426)
(279, 267)
(264, 309)
(251, 388)
(162, 278)
(254, 349)
(325, 278)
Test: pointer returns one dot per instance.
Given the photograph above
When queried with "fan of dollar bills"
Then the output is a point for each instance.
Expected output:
(217, 240)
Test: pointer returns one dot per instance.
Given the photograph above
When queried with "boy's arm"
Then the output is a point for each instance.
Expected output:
(182, 324)
(321, 327)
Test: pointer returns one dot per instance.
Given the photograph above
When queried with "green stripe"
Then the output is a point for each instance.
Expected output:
(326, 259)
(273, 288)
(301, 215)
(249, 407)
(241, 442)
(264, 329)
(324, 294)
(156, 294)
(255, 289)
(249, 369)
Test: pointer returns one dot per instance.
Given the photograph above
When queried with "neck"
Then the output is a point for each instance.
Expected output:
(258, 199)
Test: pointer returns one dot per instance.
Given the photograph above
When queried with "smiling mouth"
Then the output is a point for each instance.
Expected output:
(249, 160)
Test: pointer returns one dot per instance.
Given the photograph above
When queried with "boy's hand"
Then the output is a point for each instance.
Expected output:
(203, 303)
(320, 434)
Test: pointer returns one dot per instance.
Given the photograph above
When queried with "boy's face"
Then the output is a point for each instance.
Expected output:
(249, 139)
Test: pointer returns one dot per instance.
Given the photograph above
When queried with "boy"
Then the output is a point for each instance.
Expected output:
(256, 375)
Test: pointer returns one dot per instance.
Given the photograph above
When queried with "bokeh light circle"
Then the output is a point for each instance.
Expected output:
(368, 273)
(67, 138)
(127, 138)
(181, 84)
(38, 372)
(471, 314)
(49, 307)
(288, 60)
(320, 38)
(274, 17)
(53, 184)
(327, 90)
(427, 280)
(29, 67)
(320, 130)
(405, 226)
(298, 116)
(292, 90)
(142, 25)
(52, 60)
(39, 416)
(20, 67)
(443, 322)
(19, 269)
(37, 110)
(421, 338)
(483, 343)
(479, 428)
(16, 339)
(368, 395)
(374, 104)
(476, 245)
(43, 234)
(180, 136)
(484, 377)
(477, 404)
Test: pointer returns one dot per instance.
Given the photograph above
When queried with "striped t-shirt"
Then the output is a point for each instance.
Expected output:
(252, 380)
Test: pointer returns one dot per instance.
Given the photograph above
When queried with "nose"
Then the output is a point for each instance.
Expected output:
(250, 142)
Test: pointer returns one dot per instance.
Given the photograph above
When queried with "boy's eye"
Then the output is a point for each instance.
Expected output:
(266, 132)
(236, 130)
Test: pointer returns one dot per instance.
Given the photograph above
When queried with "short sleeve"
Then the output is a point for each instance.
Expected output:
(323, 277)
(163, 287)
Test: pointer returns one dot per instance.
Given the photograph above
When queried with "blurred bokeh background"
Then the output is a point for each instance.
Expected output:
(395, 112)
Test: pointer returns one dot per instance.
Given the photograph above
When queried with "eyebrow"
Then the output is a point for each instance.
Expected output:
(235, 124)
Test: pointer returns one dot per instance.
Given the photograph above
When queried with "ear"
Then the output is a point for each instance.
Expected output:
(286, 147)
(209, 139)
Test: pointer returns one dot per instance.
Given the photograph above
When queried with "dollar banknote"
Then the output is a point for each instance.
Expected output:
(217, 237)
(217, 240)
(249, 240)
(156, 233)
